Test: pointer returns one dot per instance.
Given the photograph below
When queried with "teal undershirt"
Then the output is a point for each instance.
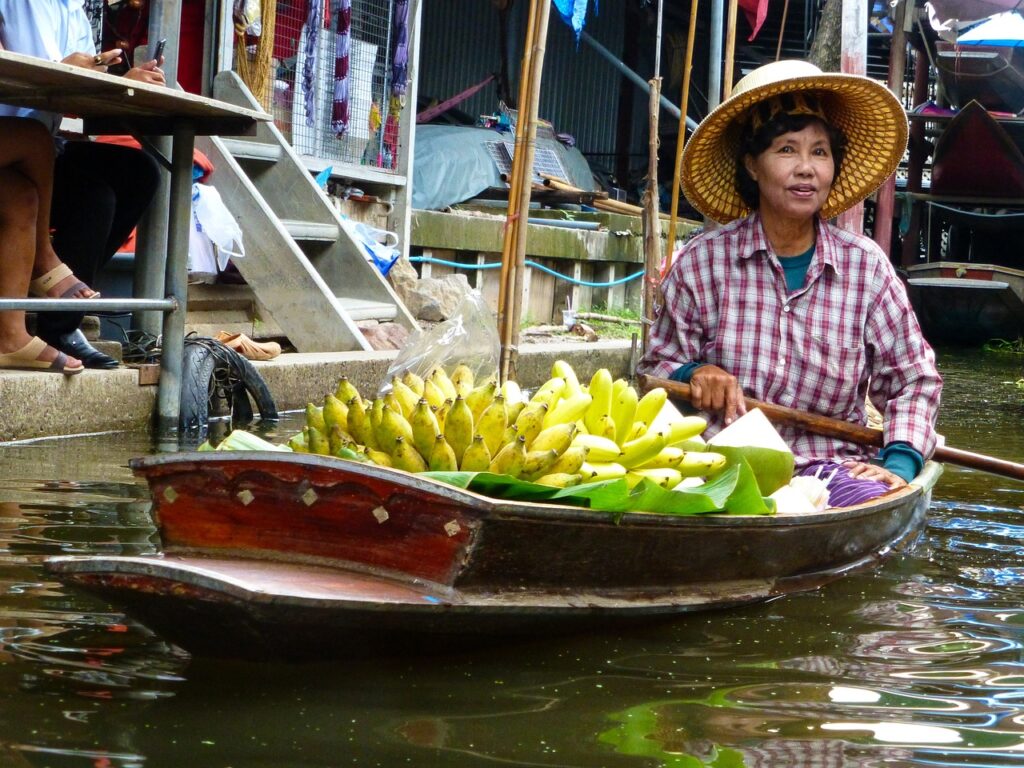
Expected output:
(900, 458)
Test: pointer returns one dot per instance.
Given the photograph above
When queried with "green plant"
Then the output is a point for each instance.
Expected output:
(1004, 347)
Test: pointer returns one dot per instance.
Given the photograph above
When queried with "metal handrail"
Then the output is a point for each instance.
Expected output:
(169, 304)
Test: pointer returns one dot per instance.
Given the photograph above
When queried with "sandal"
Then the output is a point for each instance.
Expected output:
(40, 287)
(27, 359)
(247, 348)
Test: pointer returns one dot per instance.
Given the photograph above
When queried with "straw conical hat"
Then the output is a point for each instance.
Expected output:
(871, 118)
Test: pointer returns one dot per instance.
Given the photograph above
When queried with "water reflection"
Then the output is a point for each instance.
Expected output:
(918, 663)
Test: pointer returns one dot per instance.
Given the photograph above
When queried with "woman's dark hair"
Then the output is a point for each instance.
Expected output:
(753, 143)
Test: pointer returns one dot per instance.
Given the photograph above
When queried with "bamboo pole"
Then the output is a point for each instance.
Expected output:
(652, 223)
(511, 231)
(886, 197)
(677, 172)
(730, 49)
(782, 29)
(509, 351)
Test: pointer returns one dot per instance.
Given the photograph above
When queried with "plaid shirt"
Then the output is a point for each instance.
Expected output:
(847, 333)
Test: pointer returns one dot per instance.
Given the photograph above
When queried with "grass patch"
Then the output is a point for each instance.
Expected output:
(1004, 347)
(609, 329)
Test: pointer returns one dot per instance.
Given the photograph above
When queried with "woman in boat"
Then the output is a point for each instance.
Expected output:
(779, 304)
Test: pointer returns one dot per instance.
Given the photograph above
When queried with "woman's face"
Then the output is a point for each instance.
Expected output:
(794, 174)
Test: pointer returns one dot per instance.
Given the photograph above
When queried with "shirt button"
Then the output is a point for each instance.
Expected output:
(785, 308)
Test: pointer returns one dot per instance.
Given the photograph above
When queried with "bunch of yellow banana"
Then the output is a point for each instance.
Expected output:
(617, 428)
(566, 433)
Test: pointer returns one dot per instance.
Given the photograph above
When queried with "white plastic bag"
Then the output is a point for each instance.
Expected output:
(468, 337)
(213, 221)
(379, 246)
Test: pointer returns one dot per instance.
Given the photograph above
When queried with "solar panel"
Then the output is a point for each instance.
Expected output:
(545, 159)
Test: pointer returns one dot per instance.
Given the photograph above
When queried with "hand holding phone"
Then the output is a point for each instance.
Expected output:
(159, 50)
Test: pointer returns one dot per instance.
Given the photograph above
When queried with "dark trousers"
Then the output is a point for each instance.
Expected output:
(99, 193)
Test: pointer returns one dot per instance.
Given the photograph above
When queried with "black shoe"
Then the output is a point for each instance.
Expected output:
(76, 345)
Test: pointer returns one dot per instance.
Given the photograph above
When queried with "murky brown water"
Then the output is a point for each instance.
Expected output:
(918, 663)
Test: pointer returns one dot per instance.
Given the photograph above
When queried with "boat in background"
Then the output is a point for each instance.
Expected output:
(971, 288)
(963, 303)
(992, 75)
(303, 556)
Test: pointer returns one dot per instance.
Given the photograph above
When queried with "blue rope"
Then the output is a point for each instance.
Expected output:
(535, 265)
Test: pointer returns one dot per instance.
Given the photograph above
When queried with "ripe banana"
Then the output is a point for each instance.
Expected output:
(379, 458)
(600, 391)
(643, 449)
(376, 409)
(315, 418)
(623, 408)
(491, 424)
(442, 413)
(433, 393)
(338, 438)
(667, 458)
(512, 392)
(346, 390)
(458, 427)
(297, 443)
(531, 421)
(407, 399)
(537, 463)
(549, 392)
(594, 471)
(406, 457)
(666, 477)
(334, 412)
(393, 425)
(317, 441)
(442, 382)
(701, 464)
(557, 438)
(562, 369)
(568, 409)
(600, 449)
(685, 428)
(462, 379)
(570, 462)
(560, 479)
(481, 397)
(424, 427)
(476, 458)
(359, 423)
(606, 428)
(413, 382)
(510, 459)
(650, 405)
(442, 457)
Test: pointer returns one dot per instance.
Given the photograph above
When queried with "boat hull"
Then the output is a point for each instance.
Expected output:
(967, 304)
(249, 567)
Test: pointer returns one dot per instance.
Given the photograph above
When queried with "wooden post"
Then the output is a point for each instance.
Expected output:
(915, 166)
(885, 201)
(652, 223)
(511, 232)
(730, 49)
(529, 113)
(854, 62)
(681, 137)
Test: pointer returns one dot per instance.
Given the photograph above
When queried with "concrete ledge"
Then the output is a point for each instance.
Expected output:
(44, 404)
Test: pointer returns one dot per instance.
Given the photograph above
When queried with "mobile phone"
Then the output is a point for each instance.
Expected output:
(159, 50)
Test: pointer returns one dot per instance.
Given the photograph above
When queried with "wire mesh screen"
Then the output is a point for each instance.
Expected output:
(307, 104)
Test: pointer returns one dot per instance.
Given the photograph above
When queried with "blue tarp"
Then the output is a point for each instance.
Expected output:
(452, 164)
(574, 13)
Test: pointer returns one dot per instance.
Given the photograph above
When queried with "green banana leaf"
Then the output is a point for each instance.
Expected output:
(734, 491)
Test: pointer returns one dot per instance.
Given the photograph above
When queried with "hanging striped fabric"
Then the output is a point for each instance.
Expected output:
(314, 22)
(342, 51)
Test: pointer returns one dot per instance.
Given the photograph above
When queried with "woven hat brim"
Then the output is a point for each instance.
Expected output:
(868, 114)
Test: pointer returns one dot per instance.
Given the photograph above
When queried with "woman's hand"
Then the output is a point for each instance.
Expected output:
(96, 62)
(865, 471)
(149, 72)
(715, 390)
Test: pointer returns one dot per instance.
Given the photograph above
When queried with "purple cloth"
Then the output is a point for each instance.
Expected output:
(314, 21)
(342, 50)
(400, 57)
(843, 490)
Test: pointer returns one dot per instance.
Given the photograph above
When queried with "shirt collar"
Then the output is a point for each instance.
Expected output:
(826, 252)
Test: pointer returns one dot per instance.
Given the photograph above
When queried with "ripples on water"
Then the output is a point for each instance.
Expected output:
(918, 663)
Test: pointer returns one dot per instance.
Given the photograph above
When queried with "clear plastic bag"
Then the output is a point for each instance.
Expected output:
(469, 337)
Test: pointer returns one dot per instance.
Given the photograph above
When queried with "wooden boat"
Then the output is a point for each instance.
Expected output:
(990, 74)
(972, 145)
(965, 303)
(298, 555)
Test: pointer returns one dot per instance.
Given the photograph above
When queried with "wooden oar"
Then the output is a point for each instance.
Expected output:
(855, 433)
